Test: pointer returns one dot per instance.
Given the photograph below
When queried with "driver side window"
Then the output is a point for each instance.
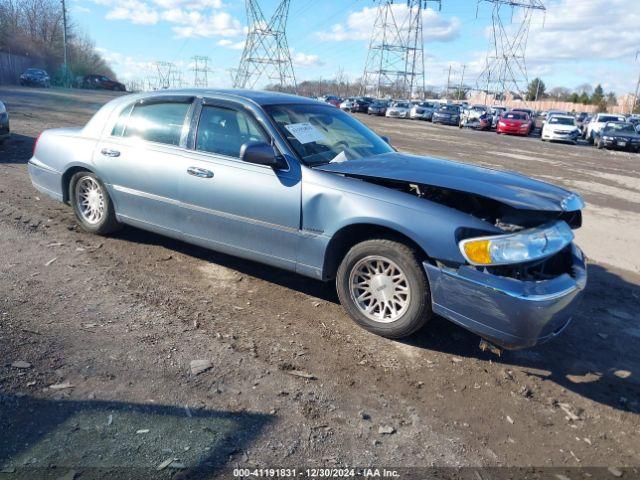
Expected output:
(224, 130)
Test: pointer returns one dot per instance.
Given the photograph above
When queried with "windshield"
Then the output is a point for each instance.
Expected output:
(322, 134)
(35, 71)
(449, 108)
(620, 128)
(609, 118)
(401, 105)
(515, 116)
(562, 120)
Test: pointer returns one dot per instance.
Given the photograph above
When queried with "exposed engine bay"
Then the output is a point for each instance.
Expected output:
(506, 218)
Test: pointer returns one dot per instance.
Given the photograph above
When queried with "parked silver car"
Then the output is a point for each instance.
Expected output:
(423, 110)
(398, 110)
(298, 184)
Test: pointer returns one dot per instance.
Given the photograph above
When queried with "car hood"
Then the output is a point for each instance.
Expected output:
(513, 122)
(559, 126)
(623, 135)
(509, 188)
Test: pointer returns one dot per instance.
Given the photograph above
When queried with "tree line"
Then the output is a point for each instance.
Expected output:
(34, 29)
(584, 94)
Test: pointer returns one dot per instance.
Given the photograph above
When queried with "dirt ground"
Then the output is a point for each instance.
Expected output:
(97, 336)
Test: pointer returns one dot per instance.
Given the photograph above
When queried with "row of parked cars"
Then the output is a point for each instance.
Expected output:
(37, 77)
(604, 130)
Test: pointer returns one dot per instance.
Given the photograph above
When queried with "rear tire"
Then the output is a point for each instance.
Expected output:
(383, 288)
(92, 205)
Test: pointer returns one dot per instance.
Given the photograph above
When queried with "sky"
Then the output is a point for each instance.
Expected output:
(574, 42)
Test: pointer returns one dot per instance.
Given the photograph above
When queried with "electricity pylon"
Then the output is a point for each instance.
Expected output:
(266, 51)
(505, 68)
(164, 71)
(395, 61)
(200, 68)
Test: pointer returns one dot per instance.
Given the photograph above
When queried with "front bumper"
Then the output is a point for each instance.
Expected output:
(560, 137)
(619, 145)
(508, 312)
(421, 115)
(446, 120)
(513, 130)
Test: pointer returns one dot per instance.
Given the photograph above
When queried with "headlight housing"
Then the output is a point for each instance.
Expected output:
(502, 124)
(521, 247)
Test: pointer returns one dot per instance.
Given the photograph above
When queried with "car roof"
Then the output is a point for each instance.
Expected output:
(564, 115)
(260, 97)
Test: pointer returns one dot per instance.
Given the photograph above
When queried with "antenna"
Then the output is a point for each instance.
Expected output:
(505, 68)
(395, 61)
(266, 51)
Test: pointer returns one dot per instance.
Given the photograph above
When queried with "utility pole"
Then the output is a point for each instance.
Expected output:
(65, 68)
(461, 81)
(448, 82)
(635, 96)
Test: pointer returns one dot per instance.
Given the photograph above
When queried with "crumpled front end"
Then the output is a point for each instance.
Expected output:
(511, 312)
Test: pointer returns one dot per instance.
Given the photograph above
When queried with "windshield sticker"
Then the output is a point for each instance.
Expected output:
(305, 132)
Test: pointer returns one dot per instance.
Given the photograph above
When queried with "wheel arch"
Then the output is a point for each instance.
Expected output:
(352, 234)
(68, 174)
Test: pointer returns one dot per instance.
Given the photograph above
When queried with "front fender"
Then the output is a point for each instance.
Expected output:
(331, 202)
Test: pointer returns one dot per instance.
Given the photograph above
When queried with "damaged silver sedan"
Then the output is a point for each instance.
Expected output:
(303, 186)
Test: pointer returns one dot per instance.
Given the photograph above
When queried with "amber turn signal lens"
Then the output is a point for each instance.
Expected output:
(478, 252)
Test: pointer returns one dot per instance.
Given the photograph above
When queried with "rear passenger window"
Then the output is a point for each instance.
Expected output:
(156, 122)
(224, 131)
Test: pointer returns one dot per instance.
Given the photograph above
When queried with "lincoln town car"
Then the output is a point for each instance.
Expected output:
(300, 185)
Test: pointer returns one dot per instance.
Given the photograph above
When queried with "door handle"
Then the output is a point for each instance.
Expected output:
(110, 153)
(199, 172)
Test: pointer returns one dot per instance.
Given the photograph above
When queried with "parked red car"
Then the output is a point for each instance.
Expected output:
(515, 123)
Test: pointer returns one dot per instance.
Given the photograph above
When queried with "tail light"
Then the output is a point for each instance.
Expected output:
(35, 144)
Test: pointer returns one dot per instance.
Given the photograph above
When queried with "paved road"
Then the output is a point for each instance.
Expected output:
(113, 324)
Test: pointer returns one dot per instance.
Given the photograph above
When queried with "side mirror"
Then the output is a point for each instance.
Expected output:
(261, 153)
(386, 139)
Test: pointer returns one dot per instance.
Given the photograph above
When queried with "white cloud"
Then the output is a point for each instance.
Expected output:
(219, 24)
(225, 42)
(585, 30)
(189, 4)
(306, 60)
(359, 25)
(191, 18)
(135, 11)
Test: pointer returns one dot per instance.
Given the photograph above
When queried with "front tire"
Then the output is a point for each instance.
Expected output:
(384, 289)
(92, 205)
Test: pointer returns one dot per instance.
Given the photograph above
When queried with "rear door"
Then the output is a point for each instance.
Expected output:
(234, 206)
(142, 158)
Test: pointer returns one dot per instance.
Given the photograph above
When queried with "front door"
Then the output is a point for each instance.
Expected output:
(233, 206)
